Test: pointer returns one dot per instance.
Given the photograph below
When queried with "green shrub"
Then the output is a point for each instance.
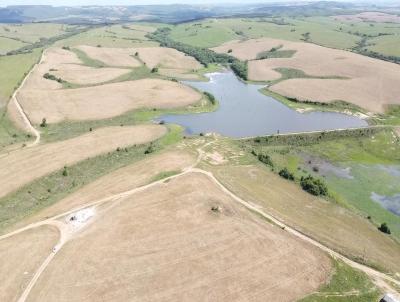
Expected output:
(154, 70)
(43, 123)
(150, 149)
(65, 171)
(52, 77)
(313, 186)
(210, 97)
(265, 159)
(286, 174)
(384, 228)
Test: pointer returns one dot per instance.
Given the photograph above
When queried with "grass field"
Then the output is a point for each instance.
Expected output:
(387, 45)
(13, 70)
(130, 35)
(324, 31)
(7, 44)
(302, 106)
(9, 134)
(32, 32)
(368, 160)
(346, 285)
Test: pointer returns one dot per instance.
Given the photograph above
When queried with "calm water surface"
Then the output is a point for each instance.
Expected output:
(244, 111)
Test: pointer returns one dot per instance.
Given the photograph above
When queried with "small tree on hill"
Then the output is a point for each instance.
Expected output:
(384, 228)
(286, 174)
(65, 171)
(43, 123)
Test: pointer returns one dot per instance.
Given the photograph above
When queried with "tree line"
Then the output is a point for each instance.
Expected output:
(203, 55)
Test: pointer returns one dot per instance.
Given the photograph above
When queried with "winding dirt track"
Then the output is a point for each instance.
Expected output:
(380, 279)
(26, 123)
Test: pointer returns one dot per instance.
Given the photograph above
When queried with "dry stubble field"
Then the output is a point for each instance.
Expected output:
(21, 256)
(335, 226)
(105, 101)
(42, 98)
(121, 180)
(170, 62)
(369, 17)
(166, 244)
(367, 82)
(25, 165)
(121, 57)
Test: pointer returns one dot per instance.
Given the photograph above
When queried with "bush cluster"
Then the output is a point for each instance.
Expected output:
(313, 186)
(286, 174)
(265, 159)
(52, 77)
(384, 228)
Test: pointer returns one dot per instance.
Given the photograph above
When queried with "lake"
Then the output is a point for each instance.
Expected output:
(244, 111)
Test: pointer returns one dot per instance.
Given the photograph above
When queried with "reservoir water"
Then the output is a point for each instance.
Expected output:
(244, 111)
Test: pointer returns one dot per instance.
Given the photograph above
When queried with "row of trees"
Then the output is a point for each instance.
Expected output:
(52, 77)
(305, 139)
(310, 184)
(203, 55)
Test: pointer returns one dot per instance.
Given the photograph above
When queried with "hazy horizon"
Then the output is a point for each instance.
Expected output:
(158, 2)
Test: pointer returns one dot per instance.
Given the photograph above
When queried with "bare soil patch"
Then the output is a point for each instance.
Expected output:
(369, 17)
(120, 57)
(367, 82)
(21, 256)
(167, 244)
(23, 166)
(105, 101)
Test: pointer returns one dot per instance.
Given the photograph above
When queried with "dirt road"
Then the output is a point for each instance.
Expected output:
(23, 117)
